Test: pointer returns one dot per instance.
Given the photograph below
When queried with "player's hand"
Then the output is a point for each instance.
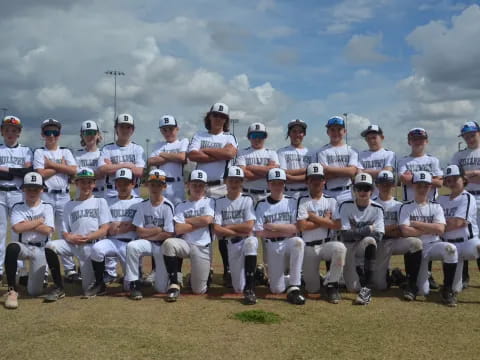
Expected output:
(269, 227)
(40, 220)
(74, 238)
(407, 177)
(107, 161)
(47, 163)
(124, 227)
(3, 168)
(114, 228)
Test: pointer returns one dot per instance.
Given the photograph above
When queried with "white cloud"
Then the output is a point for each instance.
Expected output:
(362, 49)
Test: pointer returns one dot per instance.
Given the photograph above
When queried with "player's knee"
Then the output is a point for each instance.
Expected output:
(339, 253)
(132, 249)
(368, 240)
(450, 249)
(415, 244)
(13, 249)
(168, 247)
(251, 245)
(297, 242)
(51, 247)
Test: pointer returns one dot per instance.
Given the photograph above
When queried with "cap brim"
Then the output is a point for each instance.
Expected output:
(85, 177)
(32, 186)
(316, 176)
(364, 133)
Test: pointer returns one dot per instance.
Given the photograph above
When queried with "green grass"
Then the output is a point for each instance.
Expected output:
(257, 316)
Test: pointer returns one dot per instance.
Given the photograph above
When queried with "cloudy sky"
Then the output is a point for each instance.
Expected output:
(396, 63)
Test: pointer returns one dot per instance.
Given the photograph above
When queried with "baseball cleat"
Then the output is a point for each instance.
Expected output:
(23, 280)
(249, 297)
(227, 280)
(409, 293)
(397, 278)
(173, 293)
(72, 276)
(294, 296)
(54, 295)
(11, 302)
(449, 298)
(96, 289)
(364, 296)
(135, 293)
(149, 279)
(333, 295)
(432, 283)
(260, 277)
(108, 279)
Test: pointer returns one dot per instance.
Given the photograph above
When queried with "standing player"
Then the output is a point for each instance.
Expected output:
(362, 228)
(276, 217)
(32, 225)
(460, 210)
(85, 221)
(170, 156)
(376, 158)
(124, 153)
(315, 221)
(339, 161)
(56, 164)
(192, 221)
(121, 230)
(154, 223)
(393, 243)
(234, 220)
(469, 160)
(424, 219)
(418, 160)
(295, 158)
(15, 162)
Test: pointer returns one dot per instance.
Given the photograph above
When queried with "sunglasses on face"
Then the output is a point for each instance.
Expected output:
(257, 135)
(363, 188)
(51, 132)
(89, 132)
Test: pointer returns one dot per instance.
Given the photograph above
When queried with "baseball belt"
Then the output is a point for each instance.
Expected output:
(8, 188)
(339, 188)
(455, 241)
(55, 191)
(172, 179)
(300, 189)
(234, 239)
(255, 191)
(317, 242)
(276, 239)
(125, 240)
(214, 182)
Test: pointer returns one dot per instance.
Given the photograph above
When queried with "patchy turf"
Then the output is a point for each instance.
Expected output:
(257, 316)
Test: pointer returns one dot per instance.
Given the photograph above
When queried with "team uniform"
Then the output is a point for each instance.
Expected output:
(282, 252)
(262, 157)
(216, 169)
(376, 160)
(420, 163)
(466, 238)
(319, 244)
(31, 243)
(10, 193)
(338, 156)
(131, 153)
(195, 245)
(292, 158)
(237, 211)
(90, 159)
(149, 216)
(82, 218)
(175, 191)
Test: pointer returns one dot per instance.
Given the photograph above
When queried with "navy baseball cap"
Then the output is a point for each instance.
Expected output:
(336, 120)
(470, 126)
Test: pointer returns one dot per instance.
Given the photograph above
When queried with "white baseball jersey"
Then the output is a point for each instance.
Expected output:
(85, 217)
(421, 163)
(390, 210)
(172, 169)
(202, 139)
(431, 213)
(89, 159)
(123, 211)
(235, 211)
(22, 212)
(376, 160)
(352, 217)
(57, 181)
(292, 158)
(319, 207)
(464, 207)
(275, 212)
(149, 216)
(261, 157)
(468, 159)
(14, 157)
(337, 156)
(132, 153)
(188, 209)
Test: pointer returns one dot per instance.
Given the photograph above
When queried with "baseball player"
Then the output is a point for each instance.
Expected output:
(339, 161)
(32, 225)
(153, 221)
(170, 156)
(124, 153)
(85, 221)
(469, 160)
(123, 208)
(276, 218)
(234, 220)
(393, 243)
(15, 162)
(56, 164)
(418, 160)
(315, 221)
(460, 210)
(294, 159)
(192, 221)
(362, 228)
(424, 219)
(376, 158)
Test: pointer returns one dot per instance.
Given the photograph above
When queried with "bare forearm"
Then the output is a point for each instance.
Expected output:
(174, 157)
(100, 233)
(224, 153)
(295, 178)
(306, 225)
(324, 222)
(223, 231)
(64, 168)
(181, 229)
(145, 233)
(46, 173)
(455, 223)
(200, 157)
(109, 169)
(437, 182)
(44, 229)
(241, 228)
(434, 229)
(348, 171)
(159, 236)
(25, 226)
(200, 221)
(409, 231)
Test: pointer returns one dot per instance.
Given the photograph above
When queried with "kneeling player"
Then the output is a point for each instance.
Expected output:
(234, 219)
(85, 221)
(460, 210)
(393, 243)
(32, 225)
(362, 229)
(276, 217)
(154, 223)
(120, 233)
(192, 220)
(315, 220)
(424, 219)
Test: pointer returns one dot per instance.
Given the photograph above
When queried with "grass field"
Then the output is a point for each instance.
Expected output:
(204, 327)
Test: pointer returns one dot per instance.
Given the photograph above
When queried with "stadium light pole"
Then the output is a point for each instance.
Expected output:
(459, 146)
(234, 121)
(345, 115)
(147, 141)
(105, 132)
(4, 109)
(114, 73)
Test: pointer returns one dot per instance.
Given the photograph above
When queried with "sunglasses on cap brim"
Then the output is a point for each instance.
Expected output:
(12, 121)
(157, 178)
